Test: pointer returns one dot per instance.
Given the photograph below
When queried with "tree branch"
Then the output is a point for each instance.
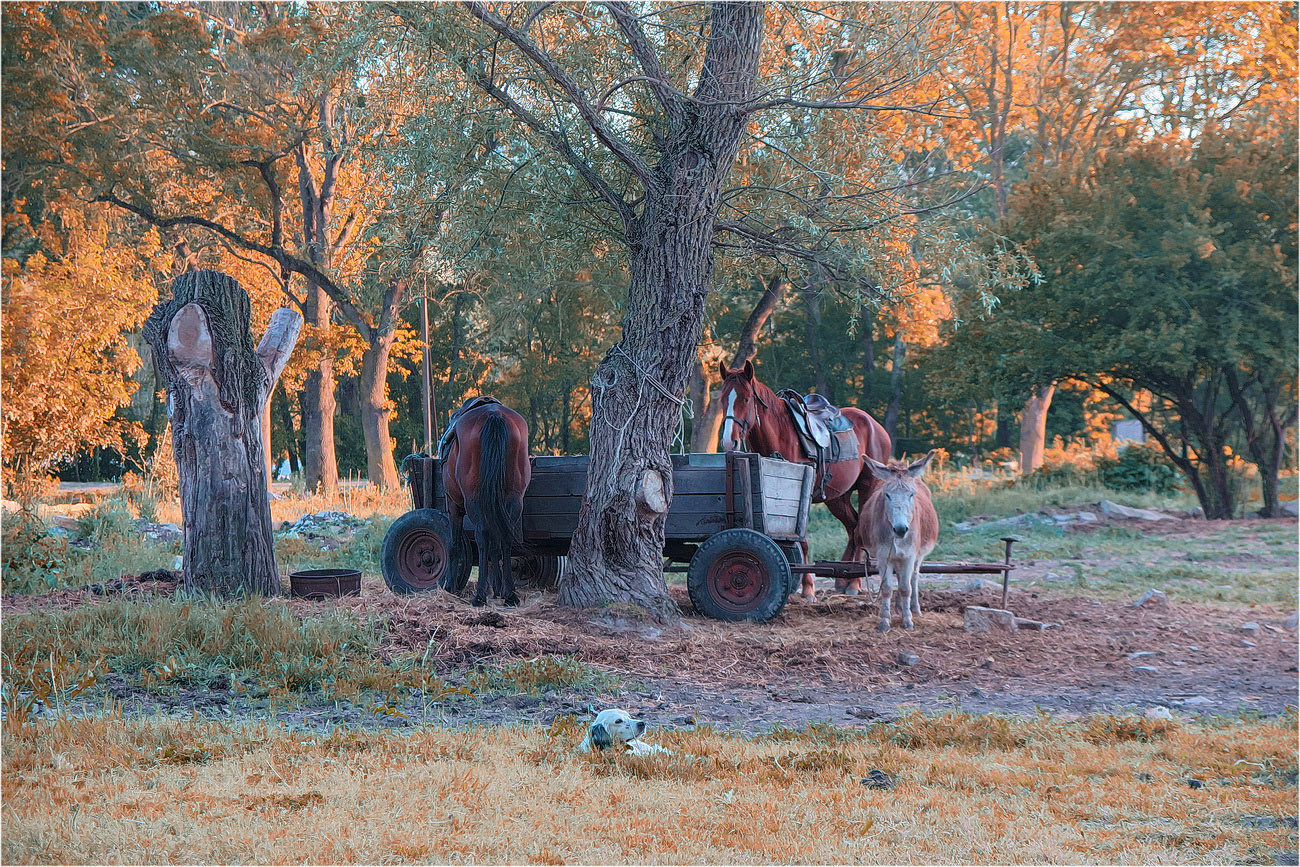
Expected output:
(547, 64)
(669, 97)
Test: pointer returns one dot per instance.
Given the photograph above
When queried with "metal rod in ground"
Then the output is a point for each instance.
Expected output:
(1006, 575)
(426, 374)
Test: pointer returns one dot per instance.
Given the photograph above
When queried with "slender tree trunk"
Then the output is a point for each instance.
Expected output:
(321, 468)
(708, 421)
(868, 354)
(636, 391)
(813, 302)
(895, 388)
(381, 467)
(1002, 438)
(1033, 427)
(217, 387)
(291, 434)
(566, 416)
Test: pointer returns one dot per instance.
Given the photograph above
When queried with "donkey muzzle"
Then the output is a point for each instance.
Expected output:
(900, 530)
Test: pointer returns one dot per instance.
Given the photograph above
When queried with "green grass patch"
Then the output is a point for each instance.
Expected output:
(539, 675)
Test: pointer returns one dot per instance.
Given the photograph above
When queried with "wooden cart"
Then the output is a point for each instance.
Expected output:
(735, 527)
(736, 520)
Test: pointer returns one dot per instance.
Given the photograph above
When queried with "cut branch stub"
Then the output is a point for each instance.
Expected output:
(217, 386)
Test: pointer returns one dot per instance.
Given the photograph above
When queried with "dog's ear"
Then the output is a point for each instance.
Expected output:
(600, 738)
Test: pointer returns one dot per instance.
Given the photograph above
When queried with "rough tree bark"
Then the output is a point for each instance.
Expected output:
(618, 544)
(1033, 427)
(320, 466)
(704, 437)
(217, 387)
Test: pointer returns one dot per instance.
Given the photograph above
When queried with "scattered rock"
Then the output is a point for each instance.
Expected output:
(1246, 642)
(1013, 521)
(987, 663)
(1142, 654)
(161, 533)
(1086, 517)
(977, 618)
(878, 779)
(1290, 507)
(1146, 669)
(332, 527)
(1026, 623)
(1154, 598)
(1251, 628)
(1195, 783)
(1115, 510)
(864, 713)
(979, 585)
(1196, 700)
(1158, 712)
(907, 657)
(1292, 622)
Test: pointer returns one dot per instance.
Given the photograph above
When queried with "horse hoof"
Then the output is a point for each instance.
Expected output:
(512, 601)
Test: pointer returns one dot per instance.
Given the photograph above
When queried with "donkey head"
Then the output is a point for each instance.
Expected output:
(899, 489)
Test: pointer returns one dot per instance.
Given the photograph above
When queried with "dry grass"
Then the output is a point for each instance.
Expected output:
(969, 790)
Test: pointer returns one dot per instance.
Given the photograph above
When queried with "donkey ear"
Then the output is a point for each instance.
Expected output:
(749, 370)
(918, 467)
(600, 738)
(879, 470)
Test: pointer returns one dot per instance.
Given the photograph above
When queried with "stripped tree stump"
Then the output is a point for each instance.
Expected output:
(217, 386)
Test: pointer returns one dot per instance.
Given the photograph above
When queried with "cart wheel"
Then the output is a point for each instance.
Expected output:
(417, 552)
(739, 574)
(540, 571)
(794, 553)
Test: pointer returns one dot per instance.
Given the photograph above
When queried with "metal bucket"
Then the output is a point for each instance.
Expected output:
(325, 583)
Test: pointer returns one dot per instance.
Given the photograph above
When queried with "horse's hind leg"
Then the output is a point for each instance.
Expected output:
(842, 508)
(485, 565)
(506, 588)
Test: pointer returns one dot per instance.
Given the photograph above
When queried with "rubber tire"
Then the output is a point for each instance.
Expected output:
(417, 521)
(770, 599)
(793, 552)
(538, 571)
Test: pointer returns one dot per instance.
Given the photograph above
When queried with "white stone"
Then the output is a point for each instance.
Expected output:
(977, 618)
(978, 585)
(1158, 598)
(1159, 713)
(1197, 699)
(1292, 622)
(1290, 507)
(907, 657)
(1146, 669)
(1115, 510)
(1141, 654)
(1251, 628)
(1086, 516)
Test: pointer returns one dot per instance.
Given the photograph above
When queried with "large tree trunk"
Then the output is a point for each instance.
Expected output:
(217, 388)
(1033, 427)
(617, 552)
(704, 436)
(381, 467)
(1002, 437)
(895, 388)
(320, 466)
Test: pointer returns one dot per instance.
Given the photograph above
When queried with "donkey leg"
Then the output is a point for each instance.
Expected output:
(905, 591)
(916, 587)
(886, 590)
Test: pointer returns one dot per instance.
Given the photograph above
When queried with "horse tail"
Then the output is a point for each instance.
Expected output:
(501, 530)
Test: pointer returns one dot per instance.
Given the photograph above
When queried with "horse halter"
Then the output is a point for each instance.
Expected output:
(743, 424)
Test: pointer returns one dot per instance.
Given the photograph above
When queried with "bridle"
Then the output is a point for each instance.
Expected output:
(743, 424)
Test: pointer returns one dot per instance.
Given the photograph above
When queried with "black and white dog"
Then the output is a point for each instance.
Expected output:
(615, 729)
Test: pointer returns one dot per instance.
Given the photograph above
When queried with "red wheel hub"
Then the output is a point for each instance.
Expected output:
(422, 558)
(738, 581)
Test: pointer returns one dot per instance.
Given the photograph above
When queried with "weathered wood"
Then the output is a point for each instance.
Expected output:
(217, 388)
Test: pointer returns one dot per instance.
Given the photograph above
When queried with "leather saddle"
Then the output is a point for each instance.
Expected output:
(825, 435)
(449, 435)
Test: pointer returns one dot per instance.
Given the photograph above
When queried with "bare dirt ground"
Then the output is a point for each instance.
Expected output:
(816, 662)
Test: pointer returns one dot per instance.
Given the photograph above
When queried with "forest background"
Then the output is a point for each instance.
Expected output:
(1022, 223)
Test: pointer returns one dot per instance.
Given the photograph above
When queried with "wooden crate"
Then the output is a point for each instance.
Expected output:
(711, 493)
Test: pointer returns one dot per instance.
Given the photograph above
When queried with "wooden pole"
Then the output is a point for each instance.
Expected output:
(426, 373)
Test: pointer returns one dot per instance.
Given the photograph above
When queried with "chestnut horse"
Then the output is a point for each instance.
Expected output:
(485, 474)
(755, 415)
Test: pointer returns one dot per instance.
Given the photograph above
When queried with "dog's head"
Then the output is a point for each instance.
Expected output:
(614, 727)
